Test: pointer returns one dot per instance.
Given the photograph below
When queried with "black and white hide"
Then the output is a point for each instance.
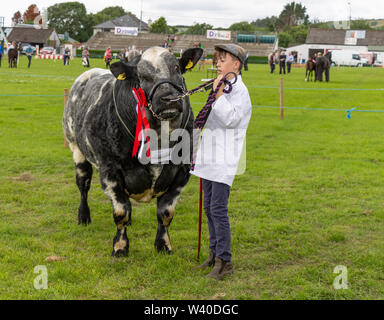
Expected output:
(99, 124)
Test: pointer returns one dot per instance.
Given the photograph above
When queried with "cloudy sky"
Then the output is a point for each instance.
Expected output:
(219, 13)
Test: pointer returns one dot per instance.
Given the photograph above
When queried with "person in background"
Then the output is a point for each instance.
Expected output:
(282, 61)
(290, 60)
(1, 50)
(126, 54)
(272, 61)
(67, 55)
(122, 55)
(29, 53)
(12, 45)
(246, 62)
(108, 57)
(202, 60)
(85, 55)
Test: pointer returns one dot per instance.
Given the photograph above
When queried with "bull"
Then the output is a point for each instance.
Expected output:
(99, 125)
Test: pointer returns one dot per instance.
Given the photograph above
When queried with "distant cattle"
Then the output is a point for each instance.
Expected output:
(100, 123)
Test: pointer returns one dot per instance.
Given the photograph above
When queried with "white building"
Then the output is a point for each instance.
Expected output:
(368, 43)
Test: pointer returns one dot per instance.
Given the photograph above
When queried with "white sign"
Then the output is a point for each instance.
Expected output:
(350, 41)
(126, 31)
(358, 34)
(219, 34)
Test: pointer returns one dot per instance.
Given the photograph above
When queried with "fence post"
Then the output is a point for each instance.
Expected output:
(281, 98)
(65, 103)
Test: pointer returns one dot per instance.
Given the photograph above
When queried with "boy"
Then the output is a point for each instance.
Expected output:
(223, 137)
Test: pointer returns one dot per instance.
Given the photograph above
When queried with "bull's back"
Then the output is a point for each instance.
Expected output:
(88, 91)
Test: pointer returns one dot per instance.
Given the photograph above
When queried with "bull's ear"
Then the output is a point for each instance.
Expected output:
(123, 71)
(190, 58)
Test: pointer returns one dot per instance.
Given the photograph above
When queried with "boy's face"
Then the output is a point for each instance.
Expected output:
(226, 63)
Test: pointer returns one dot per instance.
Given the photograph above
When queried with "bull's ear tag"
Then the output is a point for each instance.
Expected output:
(189, 65)
(121, 76)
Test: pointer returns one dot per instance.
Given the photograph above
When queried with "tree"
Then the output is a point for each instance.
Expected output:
(199, 28)
(159, 26)
(243, 26)
(298, 34)
(360, 25)
(268, 22)
(17, 19)
(31, 14)
(71, 17)
(284, 39)
(292, 15)
(106, 14)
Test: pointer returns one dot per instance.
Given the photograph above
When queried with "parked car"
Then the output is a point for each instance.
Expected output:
(25, 48)
(47, 50)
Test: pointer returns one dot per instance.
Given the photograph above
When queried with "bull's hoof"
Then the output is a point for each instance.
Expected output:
(120, 245)
(84, 214)
(162, 248)
(84, 221)
(120, 253)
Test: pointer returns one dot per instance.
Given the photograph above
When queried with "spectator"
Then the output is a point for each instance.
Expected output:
(29, 53)
(1, 50)
(67, 55)
(272, 61)
(126, 54)
(85, 56)
(246, 62)
(108, 57)
(290, 60)
(202, 60)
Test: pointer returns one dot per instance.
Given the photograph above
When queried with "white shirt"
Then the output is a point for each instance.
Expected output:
(223, 137)
(290, 58)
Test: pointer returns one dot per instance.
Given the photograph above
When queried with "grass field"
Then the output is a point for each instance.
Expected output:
(311, 198)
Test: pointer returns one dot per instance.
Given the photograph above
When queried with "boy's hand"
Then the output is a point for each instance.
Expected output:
(215, 84)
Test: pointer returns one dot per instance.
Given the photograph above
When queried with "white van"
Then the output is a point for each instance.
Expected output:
(348, 58)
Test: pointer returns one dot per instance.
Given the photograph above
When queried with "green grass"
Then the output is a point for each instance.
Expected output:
(310, 199)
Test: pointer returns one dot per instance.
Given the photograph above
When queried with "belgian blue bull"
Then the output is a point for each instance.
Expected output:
(99, 124)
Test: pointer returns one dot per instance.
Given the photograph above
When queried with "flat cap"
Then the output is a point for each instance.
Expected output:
(234, 49)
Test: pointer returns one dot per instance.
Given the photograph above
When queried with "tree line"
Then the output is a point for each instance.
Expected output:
(291, 25)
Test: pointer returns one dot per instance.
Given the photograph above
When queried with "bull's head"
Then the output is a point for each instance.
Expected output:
(159, 73)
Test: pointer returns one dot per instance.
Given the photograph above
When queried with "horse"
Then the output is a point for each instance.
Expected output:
(12, 56)
(310, 68)
(323, 64)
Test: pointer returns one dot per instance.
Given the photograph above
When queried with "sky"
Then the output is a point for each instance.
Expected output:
(219, 13)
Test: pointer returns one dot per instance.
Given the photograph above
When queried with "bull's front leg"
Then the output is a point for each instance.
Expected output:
(113, 187)
(166, 210)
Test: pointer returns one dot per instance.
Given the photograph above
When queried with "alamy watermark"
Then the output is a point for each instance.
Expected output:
(341, 281)
(41, 281)
(221, 147)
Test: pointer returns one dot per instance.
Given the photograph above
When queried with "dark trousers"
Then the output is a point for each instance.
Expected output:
(29, 61)
(282, 67)
(1, 56)
(289, 67)
(216, 196)
(272, 65)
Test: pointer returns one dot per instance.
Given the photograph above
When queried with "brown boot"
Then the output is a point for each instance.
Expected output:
(221, 269)
(209, 262)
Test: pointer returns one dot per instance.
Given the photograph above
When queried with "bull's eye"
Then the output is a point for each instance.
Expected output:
(177, 68)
